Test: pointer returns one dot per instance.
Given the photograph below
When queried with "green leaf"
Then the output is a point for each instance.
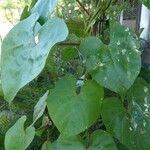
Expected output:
(76, 26)
(133, 132)
(25, 13)
(47, 146)
(71, 143)
(68, 53)
(24, 56)
(44, 8)
(139, 91)
(146, 3)
(72, 113)
(40, 107)
(90, 46)
(145, 73)
(116, 120)
(101, 140)
(114, 66)
(139, 106)
(18, 138)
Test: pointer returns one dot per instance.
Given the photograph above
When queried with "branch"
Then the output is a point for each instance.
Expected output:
(82, 7)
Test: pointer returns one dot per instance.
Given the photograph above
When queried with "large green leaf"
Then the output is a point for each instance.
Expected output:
(24, 56)
(116, 120)
(72, 113)
(114, 66)
(145, 73)
(101, 140)
(139, 106)
(44, 8)
(18, 138)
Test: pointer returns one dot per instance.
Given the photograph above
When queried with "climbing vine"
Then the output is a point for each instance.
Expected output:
(99, 101)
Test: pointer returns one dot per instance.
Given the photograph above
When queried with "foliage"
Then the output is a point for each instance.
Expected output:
(97, 97)
(146, 3)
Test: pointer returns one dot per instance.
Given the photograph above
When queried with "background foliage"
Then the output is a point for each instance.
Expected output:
(130, 121)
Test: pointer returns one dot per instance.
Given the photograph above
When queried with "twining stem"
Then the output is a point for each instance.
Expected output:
(82, 7)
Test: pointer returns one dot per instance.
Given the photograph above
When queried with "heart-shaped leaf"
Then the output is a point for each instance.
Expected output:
(18, 138)
(24, 56)
(98, 140)
(72, 113)
(101, 140)
(114, 66)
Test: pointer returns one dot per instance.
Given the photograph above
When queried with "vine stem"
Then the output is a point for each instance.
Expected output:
(82, 7)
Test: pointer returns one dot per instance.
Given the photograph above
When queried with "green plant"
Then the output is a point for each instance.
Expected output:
(146, 3)
(103, 104)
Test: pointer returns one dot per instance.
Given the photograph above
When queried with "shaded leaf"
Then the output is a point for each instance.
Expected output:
(116, 121)
(145, 73)
(25, 13)
(139, 106)
(68, 53)
(71, 143)
(47, 146)
(101, 140)
(18, 138)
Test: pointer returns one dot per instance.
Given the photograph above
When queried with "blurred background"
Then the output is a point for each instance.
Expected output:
(10, 11)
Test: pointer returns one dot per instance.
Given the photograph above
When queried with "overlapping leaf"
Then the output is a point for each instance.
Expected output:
(116, 120)
(101, 140)
(132, 126)
(18, 138)
(44, 8)
(74, 113)
(117, 65)
(139, 106)
(24, 56)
